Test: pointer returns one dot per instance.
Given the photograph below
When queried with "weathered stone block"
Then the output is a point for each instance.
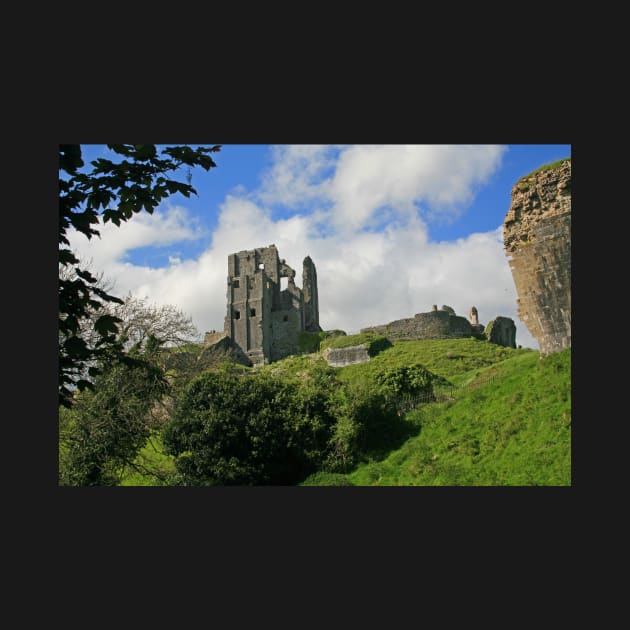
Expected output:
(502, 331)
(339, 357)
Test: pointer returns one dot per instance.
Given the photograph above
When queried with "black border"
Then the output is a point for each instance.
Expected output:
(308, 523)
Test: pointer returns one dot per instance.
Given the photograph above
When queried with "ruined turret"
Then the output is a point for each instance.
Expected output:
(473, 316)
(309, 290)
(537, 239)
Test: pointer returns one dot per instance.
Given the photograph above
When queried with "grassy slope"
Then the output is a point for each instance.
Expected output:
(151, 457)
(457, 360)
(514, 431)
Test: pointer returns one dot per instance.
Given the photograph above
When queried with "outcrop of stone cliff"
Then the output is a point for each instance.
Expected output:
(537, 240)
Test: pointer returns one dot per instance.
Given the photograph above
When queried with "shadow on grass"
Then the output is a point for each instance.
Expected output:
(389, 435)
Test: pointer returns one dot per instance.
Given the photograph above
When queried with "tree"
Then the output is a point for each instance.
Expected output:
(231, 427)
(107, 425)
(140, 320)
(114, 192)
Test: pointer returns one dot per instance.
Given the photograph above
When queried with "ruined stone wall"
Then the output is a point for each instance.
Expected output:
(502, 331)
(432, 325)
(213, 336)
(537, 239)
(311, 299)
(286, 326)
(339, 357)
(263, 320)
(253, 285)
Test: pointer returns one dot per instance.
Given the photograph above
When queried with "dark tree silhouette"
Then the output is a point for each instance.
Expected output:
(109, 191)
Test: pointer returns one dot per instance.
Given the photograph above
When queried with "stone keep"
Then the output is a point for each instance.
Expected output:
(537, 239)
(263, 320)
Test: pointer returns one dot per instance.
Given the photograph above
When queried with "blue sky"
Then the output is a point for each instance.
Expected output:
(392, 229)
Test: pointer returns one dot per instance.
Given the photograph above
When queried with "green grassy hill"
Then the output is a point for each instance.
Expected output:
(514, 430)
(457, 360)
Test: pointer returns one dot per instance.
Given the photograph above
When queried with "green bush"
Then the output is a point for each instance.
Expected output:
(232, 428)
(106, 428)
(407, 380)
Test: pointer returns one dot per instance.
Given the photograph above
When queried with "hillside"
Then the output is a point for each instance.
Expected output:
(508, 423)
(515, 430)
(453, 359)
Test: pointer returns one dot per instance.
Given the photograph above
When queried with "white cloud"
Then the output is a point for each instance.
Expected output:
(401, 177)
(364, 278)
(297, 174)
(160, 228)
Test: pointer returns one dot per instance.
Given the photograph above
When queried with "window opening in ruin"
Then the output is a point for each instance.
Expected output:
(285, 318)
(284, 283)
(268, 285)
(235, 283)
(251, 282)
(261, 265)
(252, 312)
(237, 314)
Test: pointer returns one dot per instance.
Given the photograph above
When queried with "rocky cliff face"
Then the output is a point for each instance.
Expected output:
(537, 239)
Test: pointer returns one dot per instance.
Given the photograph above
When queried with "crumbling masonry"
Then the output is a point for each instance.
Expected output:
(445, 324)
(264, 320)
(537, 239)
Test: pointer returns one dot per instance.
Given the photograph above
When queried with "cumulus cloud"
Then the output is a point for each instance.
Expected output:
(403, 177)
(163, 227)
(365, 277)
(298, 174)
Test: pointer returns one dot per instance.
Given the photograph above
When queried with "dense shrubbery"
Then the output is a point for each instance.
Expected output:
(230, 427)
(300, 421)
(408, 380)
(106, 427)
(234, 428)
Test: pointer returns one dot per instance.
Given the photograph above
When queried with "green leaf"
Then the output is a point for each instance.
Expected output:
(66, 257)
(113, 216)
(106, 296)
(76, 347)
(106, 324)
(86, 275)
(70, 157)
(145, 151)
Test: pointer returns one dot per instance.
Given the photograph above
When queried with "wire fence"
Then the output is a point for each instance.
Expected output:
(439, 394)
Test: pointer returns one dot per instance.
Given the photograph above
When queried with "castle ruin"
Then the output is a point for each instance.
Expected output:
(264, 319)
(537, 239)
(443, 323)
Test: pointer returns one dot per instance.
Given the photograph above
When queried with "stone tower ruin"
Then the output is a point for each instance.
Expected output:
(264, 319)
(474, 316)
(537, 239)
